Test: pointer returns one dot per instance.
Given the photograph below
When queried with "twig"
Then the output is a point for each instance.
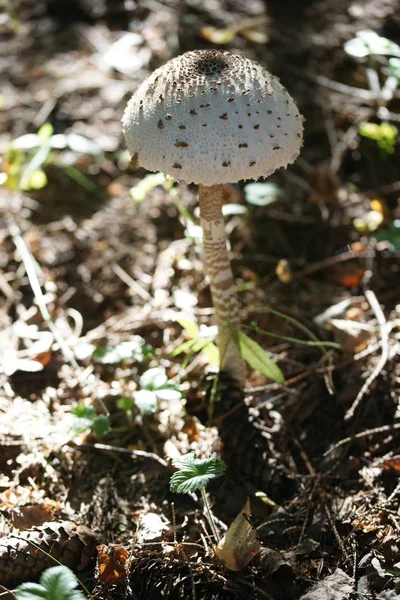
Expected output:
(130, 282)
(331, 261)
(209, 514)
(31, 268)
(137, 453)
(360, 435)
(380, 317)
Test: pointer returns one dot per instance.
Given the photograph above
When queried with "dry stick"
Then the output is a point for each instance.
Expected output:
(360, 435)
(209, 514)
(30, 268)
(221, 280)
(130, 282)
(117, 449)
(380, 317)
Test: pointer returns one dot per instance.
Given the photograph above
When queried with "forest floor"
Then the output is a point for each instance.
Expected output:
(96, 274)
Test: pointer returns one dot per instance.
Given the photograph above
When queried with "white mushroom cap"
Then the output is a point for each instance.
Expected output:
(210, 117)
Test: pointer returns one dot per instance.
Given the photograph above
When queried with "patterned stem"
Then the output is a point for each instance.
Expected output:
(221, 280)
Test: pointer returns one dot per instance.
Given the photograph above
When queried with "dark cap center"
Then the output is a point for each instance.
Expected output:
(208, 63)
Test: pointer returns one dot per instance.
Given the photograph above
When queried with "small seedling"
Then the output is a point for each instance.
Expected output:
(383, 75)
(367, 43)
(193, 475)
(262, 194)
(134, 350)
(87, 418)
(201, 339)
(27, 155)
(154, 386)
(57, 583)
(390, 235)
(250, 351)
(385, 134)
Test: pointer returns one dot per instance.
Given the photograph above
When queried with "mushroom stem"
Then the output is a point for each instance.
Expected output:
(221, 281)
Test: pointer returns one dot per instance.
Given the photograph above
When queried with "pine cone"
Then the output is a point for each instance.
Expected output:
(22, 559)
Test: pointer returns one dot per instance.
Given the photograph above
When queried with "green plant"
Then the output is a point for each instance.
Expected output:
(391, 235)
(139, 191)
(367, 43)
(134, 350)
(23, 163)
(56, 583)
(384, 75)
(201, 339)
(193, 475)
(250, 351)
(154, 386)
(385, 134)
(87, 418)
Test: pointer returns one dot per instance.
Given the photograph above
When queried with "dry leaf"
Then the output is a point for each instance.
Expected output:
(112, 563)
(239, 545)
(337, 586)
(283, 271)
(151, 526)
(392, 464)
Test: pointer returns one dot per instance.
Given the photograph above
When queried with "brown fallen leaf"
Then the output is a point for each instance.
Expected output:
(239, 545)
(112, 563)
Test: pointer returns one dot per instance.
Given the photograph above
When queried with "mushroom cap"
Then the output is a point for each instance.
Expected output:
(209, 117)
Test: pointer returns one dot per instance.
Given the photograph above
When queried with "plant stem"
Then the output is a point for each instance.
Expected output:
(221, 282)
(209, 515)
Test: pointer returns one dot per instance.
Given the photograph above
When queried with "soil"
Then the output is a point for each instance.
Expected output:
(85, 270)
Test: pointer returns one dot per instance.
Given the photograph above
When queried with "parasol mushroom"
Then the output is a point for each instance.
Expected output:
(212, 117)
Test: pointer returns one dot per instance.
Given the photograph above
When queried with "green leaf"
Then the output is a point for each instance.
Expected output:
(188, 345)
(135, 350)
(45, 132)
(368, 42)
(391, 235)
(394, 67)
(146, 402)
(385, 134)
(26, 142)
(83, 412)
(139, 191)
(87, 418)
(258, 359)
(125, 403)
(233, 208)
(82, 144)
(37, 180)
(189, 325)
(56, 583)
(195, 473)
(100, 425)
(212, 353)
(262, 194)
(31, 591)
(153, 379)
(168, 392)
(35, 164)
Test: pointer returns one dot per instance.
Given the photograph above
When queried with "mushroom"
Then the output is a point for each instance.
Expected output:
(211, 117)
